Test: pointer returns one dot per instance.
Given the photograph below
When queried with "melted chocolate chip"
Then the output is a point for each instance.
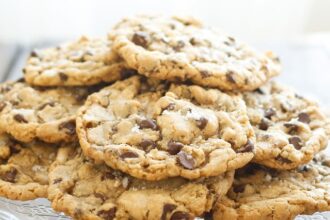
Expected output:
(180, 215)
(264, 124)
(2, 105)
(51, 104)
(129, 154)
(21, 80)
(248, 147)
(167, 208)
(108, 214)
(174, 147)
(282, 159)
(10, 175)
(296, 142)
(147, 123)
(125, 73)
(100, 196)
(20, 118)
(292, 128)
(180, 44)
(230, 77)
(58, 180)
(14, 147)
(239, 188)
(208, 216)
(269, 113)
(63, 76)
(304, 117)
(147, 144)
(33, 54)
(140, 39)
(201, 123)
(107, 175)
(186, 160)
(69, 126)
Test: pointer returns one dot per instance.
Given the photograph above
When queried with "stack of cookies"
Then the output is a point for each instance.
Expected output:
(164, 118)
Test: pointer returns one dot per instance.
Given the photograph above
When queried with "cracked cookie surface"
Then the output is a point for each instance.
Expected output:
(289, 128)
(154, 130)
(48, 114)
(263, 193)
(183, 49)
(24, 168)
(82, 62)
(85, 190)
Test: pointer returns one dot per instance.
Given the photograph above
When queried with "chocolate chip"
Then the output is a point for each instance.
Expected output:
(2, 105)
(208, 216)
(303, 168)
(69, 126)
(180, 44)
(231, 39)
(186, 160)
(167, 208)
(10, 175)
(259, 91)
(170, 107)
(201, 123)
(239, 188)
(20, 118)
(14, 147)
(148, 123)
(296, 142)
(269, 113)
(63, 76)
(282, 159)
(140, 39)
(230, 77)
(51, 104)
(107, 214)
(100, 196)
(205, 73)
(24, 71)
(180, 215)
(147, 144)
(264, 124)
(304, 117)
(20, 80)
(174, 147)
(292, 128)
(129, 154)
(58, 180)
(248, 147)
(125, 73)
(193, 41)
(33, 54)
(107, 175)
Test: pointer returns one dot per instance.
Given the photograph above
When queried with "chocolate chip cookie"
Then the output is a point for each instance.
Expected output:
(263, 193)
(82, 62)
(183, 49)
(47, 114)
(85, 190)
(154, 130)
(24, 168)
(289, 128)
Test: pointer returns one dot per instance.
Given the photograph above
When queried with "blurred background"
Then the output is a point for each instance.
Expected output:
(298, 30)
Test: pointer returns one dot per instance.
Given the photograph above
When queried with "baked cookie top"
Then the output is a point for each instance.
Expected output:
(153, 130)
(183, 49)
(85, 190)
(86, 61)
(264, 193)
(24, 168)
(45, 113)
(289, 128)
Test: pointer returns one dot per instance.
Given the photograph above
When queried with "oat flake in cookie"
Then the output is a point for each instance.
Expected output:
(24, 168)
(289, 128)
(180, 49)
(47, 114)
(85, 190)
(260, 193)
(82, 62)
(153, 130)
